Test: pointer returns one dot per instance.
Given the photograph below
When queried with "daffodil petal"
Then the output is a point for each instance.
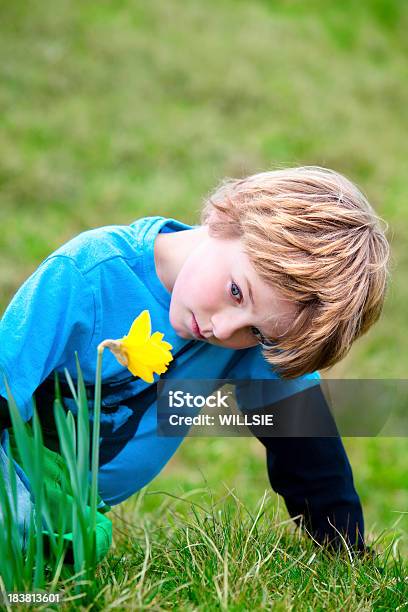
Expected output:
(139, 369)
(157, 337)
(149, 356)
(140, 329)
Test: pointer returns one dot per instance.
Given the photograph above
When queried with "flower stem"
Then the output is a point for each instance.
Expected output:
(95, 439)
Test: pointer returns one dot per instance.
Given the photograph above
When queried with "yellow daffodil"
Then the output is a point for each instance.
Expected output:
(141, 352)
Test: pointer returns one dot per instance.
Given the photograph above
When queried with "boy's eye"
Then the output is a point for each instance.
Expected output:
(259, 336)
(236, 291)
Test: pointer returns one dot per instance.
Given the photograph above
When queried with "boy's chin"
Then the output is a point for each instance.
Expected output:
(181, 331)
(184, 335)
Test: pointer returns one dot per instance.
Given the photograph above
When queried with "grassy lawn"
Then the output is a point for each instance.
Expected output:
(115, 110)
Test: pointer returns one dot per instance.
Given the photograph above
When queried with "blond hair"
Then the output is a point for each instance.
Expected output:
(310, 233)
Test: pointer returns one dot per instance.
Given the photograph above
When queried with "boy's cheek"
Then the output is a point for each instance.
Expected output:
(177, 326)
(179, 315)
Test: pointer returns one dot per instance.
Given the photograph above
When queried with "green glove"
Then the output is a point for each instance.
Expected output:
(58, 496)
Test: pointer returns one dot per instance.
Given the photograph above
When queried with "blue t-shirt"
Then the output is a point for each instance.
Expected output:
(90, 289)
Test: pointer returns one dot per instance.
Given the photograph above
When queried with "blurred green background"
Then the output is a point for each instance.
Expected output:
(114, 110)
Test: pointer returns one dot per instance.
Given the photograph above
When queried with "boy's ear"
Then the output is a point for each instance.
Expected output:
(215, 216)
(212, 220)
(221, 224)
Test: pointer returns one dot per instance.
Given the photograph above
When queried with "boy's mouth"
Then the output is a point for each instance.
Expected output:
(196, 329)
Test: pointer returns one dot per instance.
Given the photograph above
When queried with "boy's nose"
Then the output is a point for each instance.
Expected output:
(225, 326)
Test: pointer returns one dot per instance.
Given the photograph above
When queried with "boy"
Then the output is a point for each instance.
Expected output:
(287, 269)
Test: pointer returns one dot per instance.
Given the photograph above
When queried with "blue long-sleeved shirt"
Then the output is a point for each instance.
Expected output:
(92, 288)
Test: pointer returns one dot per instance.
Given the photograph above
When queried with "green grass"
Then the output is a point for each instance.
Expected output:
(111, 111)
(222, 554)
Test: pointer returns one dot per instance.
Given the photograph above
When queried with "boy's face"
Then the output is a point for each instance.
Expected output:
(211, 300)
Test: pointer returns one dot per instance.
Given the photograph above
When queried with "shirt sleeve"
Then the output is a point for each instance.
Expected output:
(314, 477)
(51, 316)
(306, 460)
(308, 466)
